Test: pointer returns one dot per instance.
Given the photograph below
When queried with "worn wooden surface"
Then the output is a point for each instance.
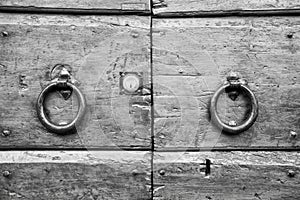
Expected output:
(193, 56)
(139, 5)
(97, 48)
(190, 7)
(233, 175)
(75, 175)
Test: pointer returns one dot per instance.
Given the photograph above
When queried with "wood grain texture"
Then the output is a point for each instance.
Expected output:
(75, 175)
(192, 58)
(163, 7)
(233, 175)
(139, 5)
(97, 49)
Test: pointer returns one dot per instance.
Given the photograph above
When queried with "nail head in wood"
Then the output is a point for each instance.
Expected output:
(290, 35)
(6, 133)
(291, 173)
(4, 33)
(6, 174)
(162, 172)
(135, 172)
(293, 134)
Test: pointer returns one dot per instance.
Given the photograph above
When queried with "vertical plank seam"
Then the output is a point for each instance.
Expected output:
(152, 100)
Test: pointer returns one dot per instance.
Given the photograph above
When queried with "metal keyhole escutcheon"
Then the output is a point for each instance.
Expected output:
(235, 85)
(64, 83)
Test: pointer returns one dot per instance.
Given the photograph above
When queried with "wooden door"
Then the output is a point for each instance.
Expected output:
(159, 142)
(109, 156)
(196, 44)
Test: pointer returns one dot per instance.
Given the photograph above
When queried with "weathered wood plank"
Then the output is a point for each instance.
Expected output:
(97, 48)
(75, 175)
(138, 5)
(192, 58)
(232, 175)
(189, 7)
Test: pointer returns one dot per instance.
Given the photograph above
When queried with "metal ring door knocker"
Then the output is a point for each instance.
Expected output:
(62, 81)
(234, 83)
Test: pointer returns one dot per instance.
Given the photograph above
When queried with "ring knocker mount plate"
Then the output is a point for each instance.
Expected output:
(234, 81)
(64, 83)
(234, 86)
(62, 73)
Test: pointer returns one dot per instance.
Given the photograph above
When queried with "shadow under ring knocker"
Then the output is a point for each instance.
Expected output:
(62, 83)
(235, 85)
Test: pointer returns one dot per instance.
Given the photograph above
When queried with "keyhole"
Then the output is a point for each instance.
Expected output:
(207, 167)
